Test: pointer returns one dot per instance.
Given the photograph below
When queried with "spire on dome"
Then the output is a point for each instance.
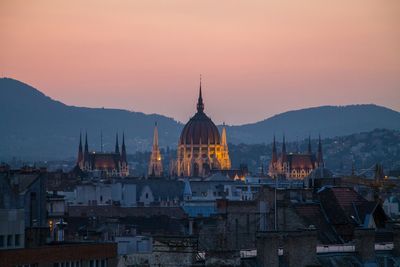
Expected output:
(200, 104)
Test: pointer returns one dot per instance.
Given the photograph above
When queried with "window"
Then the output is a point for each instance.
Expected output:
(17, 240)
(9, 240)
(1, 241)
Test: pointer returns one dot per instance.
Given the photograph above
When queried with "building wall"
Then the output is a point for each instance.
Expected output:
(49, 256)
(12, 228)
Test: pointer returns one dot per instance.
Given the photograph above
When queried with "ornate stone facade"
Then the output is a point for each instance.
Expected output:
(107, 164)
(155, 163)
(201, 148)
(295, 165)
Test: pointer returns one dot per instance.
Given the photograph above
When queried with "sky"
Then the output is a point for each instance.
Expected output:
(257, 58)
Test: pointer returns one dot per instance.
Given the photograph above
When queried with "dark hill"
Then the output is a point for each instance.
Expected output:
(36, 127)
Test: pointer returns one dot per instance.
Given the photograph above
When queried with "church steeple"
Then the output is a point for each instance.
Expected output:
(116, 144)
(200, 104)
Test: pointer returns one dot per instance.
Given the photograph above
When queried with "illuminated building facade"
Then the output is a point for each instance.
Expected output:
(107, 164)
(155, 163)
(295, 165)
(201, 148)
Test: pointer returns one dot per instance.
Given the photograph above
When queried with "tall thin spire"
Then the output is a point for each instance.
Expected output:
(86, 145)
(155, 167)
(155, 136)
(320, 157)
(116, 144)
(309, 151)
(80, 151)
(200, 104)
(123, 149)
(224, 142)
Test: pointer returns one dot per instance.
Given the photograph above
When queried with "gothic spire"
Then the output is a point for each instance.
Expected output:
(86, 145)
(155, 136)
(116, 144)
(223, 136)
(200, 104)
(80, 152)
(320, 157)
(123, 149)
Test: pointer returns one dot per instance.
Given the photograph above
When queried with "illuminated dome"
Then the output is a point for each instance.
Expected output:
(200, 128)
(201, 147)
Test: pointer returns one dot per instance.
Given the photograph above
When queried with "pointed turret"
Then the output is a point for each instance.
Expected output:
(309, 151)
(80, 151)
(155, 136)
(320, 158)
(200, 104)
(116, 144)
(155, 162)
(223, 136)
(123, 149)
(86, 153)
(225, 160)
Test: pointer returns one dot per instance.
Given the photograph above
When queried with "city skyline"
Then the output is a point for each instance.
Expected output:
(257, 59)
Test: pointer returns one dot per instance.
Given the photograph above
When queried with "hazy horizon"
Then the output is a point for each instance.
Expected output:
(257, 58)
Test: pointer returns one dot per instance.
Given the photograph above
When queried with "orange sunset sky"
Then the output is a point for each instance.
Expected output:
(257, 58)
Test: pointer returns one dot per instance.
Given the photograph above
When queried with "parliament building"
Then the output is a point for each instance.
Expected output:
(201, 147)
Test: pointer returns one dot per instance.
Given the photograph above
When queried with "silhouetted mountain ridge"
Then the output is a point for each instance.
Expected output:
(34, 126)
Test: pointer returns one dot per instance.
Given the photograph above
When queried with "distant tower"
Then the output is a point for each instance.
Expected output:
(225, 160)
(155, 163)
(80, 153)
(86, 155)
(124, 162)
(272, 170)
(320, 158)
